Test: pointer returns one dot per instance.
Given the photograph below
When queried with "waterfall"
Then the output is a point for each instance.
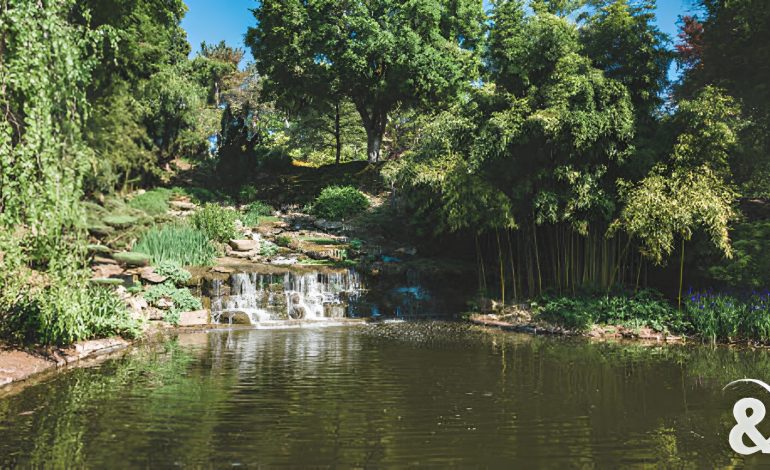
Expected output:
(255, 297)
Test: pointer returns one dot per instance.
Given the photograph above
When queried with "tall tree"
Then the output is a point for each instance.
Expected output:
(729, 47)
(378, 54)
(621, 38)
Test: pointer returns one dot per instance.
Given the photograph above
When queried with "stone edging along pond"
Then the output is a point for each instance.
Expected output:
(597, 332)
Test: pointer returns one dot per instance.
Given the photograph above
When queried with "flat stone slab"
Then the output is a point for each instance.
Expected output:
(194, 318)
(182, 205)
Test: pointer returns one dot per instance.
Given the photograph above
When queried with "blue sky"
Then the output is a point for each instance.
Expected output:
(215, 20)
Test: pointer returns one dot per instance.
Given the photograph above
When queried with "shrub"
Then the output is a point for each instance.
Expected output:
(267, 248)
(339, 202)
(153, 202)
(642, 309)
(64, 313)
(173, 272)
(199, 195)
(181, 299)
(179, 244)
(254, 212)
(217, 222)
(247, 193)
(283, 240)
(572, 313)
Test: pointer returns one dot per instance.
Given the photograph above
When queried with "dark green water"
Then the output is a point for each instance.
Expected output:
(397, 395)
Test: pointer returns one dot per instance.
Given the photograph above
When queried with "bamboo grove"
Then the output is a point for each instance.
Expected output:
(564, 164)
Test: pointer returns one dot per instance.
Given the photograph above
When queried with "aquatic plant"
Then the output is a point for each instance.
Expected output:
(179, 244)
(728, 317)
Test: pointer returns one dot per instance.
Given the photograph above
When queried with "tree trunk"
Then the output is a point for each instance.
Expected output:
(374, 120)
(373, 144)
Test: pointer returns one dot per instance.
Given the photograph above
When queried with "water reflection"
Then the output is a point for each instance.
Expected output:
(387, 395)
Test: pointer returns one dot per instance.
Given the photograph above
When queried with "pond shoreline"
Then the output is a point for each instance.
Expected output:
(604, 332)
(20, 367)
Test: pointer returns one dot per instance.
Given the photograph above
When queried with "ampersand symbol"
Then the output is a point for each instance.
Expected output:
(747, 425)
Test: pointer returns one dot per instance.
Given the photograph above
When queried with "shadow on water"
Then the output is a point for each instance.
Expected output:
(436, 393)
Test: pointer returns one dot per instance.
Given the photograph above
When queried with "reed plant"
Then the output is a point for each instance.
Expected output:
(182, 245)
(730, 317)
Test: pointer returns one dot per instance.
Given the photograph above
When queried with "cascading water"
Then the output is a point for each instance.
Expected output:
(265, 297)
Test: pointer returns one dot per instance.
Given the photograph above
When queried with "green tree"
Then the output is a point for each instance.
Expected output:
(379, 54)
(693, 190)
(621, 38)
(728, 48)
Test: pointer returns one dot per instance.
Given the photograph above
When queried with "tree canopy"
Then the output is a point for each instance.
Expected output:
(379, 55)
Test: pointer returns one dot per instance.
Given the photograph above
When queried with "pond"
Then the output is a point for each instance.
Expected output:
(396, 394)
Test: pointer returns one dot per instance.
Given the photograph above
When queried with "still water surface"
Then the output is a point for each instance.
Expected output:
(396, 395)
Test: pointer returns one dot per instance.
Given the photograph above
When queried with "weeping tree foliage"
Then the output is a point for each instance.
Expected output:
(45, 67)
(378, 54)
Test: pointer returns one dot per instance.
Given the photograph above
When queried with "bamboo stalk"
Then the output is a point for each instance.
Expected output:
(502, 270)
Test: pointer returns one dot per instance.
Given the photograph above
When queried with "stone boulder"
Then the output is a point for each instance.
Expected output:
(235, 318)
(329, 225)
(244, 245)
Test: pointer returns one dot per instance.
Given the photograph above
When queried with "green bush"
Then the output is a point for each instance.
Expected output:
(254, 212)
(173, 271)
(283, 240)
(247, 193)
(181, 298)
(267, 248)
(339, 202)
(571, 313)
(642, 309)
(153, 202)
(199, 195)
(62, 314)
(750, 265)
(179, 244)
(217, 222)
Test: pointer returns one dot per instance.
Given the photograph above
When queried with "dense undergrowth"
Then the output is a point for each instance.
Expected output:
(710, 316)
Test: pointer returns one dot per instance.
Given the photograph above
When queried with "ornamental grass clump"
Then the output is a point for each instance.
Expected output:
(179, 244)
(66, 312)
